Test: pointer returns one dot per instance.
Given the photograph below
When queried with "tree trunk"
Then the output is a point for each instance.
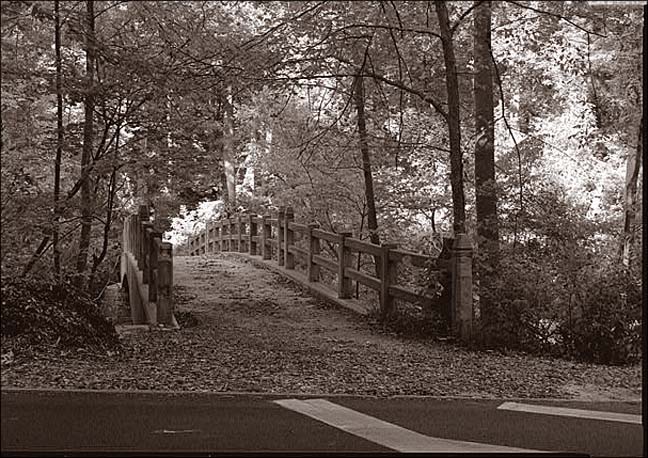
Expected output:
(59, 141)
(486, 197)
(630, 198)
(97, 260)
(228, 147)
(372, 220)
(39, 251)
(454, 122)
(485, 190)
(88, 137)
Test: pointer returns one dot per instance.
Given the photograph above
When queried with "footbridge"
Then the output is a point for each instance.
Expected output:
(147, 271)
(328, 264)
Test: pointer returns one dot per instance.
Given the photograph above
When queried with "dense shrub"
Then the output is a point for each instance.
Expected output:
(585, 310)
(607, 325)
(415, 321)
(43, 313)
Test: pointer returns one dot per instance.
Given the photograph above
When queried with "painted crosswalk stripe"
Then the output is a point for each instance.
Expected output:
(383, 433)
(566, 412)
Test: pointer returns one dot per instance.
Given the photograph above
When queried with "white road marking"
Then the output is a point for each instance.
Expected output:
(384, 433)
(566, 412)
(176, 431)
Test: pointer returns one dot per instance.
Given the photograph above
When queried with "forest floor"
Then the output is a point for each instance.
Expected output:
(253, 331)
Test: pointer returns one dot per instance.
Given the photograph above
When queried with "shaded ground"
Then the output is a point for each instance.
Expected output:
(259, 332)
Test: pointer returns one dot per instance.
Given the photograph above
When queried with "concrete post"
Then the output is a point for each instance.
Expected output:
(388, 275)
(313, 249)
(280, 235)
(344, 261)
(462, 299)
(289, 240)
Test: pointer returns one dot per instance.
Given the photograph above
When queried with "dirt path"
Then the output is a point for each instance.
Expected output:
(259, 332)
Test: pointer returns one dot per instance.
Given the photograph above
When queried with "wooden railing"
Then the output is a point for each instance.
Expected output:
(147, 267)
(274, 238)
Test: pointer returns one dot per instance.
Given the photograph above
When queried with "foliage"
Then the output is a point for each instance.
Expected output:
(568, 87)
(45, 313)
(608, 329)
(563, 292)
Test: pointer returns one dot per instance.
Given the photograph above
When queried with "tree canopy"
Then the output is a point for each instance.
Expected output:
(519, 123)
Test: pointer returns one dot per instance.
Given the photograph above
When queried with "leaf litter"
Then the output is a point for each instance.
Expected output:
(249, 329)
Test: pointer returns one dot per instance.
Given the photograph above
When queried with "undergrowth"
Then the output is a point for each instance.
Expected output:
(43, 314)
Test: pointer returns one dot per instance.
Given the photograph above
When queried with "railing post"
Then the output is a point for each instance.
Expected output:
(239, 233)
(224, 233)
(129, 235)
(266, 249)
(147, 230)
(217, 247)
(280, 235)
(154, 248)
(208, 226)
(232, 225)
(253, 233)
(134, 224)
(462, 294)
(313, 249)
(289, 239)
(143, 216)
(344, 261)
(124, 241)
(387, 277)
(165, 284)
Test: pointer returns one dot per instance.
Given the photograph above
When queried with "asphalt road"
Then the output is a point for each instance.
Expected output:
(41, 421)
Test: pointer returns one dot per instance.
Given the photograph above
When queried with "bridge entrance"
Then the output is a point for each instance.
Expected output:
(146, 271)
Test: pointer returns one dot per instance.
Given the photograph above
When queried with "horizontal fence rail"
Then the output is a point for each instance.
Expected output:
(274, 238)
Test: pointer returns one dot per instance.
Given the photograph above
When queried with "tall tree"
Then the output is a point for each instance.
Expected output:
(485, 186)
(88, 138)
(59, 140)
(454, 121)
(633, 165)
(229, 171)
(485, 189)
(372, 219)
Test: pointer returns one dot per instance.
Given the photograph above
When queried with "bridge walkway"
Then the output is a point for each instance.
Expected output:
(257, 331)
